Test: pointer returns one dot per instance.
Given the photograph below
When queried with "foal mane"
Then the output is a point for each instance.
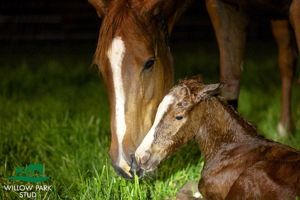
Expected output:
(195, 84)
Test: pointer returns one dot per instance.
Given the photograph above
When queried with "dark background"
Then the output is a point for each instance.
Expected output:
(68, 21)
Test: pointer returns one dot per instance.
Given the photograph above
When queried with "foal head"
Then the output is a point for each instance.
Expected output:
(176, 122)
(136, 65)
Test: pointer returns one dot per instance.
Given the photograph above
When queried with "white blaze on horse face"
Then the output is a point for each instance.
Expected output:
(115, 55)
(162, 109)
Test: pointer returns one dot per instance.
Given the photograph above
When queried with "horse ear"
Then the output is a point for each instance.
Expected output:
(148, 6)
(209, 90)
(101, 7)
(172, 10)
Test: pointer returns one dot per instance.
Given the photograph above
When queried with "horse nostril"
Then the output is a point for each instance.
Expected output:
(145, 157)
(134, 164)
(135, 168)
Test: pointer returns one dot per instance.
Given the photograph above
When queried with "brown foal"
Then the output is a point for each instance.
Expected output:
(239, 163)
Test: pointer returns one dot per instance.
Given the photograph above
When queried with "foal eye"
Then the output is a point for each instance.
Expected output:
(148, 65)
(179, 117)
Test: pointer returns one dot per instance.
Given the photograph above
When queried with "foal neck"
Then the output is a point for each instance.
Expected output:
(219, 125)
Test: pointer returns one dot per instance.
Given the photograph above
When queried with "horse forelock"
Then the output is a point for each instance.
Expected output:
(122, 20)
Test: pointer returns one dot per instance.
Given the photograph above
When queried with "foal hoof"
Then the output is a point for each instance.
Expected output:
(188, 191)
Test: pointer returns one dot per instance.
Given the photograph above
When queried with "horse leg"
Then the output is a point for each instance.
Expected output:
(287, 57)
(295, 21)
(230, 27)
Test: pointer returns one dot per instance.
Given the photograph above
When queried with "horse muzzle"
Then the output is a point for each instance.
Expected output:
(127, 171)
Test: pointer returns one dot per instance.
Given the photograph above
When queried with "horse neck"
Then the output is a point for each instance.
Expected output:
(220, 124)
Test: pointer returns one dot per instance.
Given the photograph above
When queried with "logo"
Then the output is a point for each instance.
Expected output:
(30, 174)
(33, 174)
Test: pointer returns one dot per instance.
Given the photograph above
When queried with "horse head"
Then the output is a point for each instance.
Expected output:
(137, 68)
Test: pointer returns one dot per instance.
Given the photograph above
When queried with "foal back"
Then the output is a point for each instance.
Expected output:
(275, 176)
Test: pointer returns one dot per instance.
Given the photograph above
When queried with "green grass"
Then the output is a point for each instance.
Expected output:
(54, 110)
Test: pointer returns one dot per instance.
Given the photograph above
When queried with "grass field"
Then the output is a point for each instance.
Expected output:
(54, 111)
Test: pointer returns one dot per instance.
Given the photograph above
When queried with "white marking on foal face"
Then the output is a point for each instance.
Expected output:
(115, 55)
(162, 109)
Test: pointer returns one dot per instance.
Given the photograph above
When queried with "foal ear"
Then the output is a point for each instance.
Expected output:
(186, 94)
(101, 6)
(209, 90)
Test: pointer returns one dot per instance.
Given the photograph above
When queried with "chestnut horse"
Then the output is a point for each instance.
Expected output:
(136, 64)
(238, 162)
(137, 67)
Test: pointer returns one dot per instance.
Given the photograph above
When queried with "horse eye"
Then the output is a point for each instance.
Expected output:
(148, 65)
(179, 117)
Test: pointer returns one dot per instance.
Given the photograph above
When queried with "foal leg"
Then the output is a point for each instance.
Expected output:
(287, 57)
(295, 21)
(189, 191)
(230, 27)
